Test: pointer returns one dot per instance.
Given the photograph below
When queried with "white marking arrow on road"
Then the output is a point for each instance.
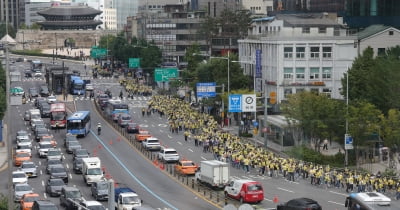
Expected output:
(285, 190)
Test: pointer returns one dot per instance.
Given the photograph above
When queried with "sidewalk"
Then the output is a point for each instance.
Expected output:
(4, 150)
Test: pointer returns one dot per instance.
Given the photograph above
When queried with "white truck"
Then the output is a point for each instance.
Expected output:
(126, 198)
(213, 173)
(91, 170)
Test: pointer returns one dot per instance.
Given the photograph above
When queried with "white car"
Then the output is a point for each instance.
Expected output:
(30, 168)
(43, 148)
(36, 121)
(37, 74)
(24, 148)
(20, 190)
(168, 155)
(24, 142)
(19, 177)
(22, 134)
(89, 87)
(51, 99)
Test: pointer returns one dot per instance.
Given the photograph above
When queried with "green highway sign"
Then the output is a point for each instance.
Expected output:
(134, 62)
(164, 74)
(97, 52)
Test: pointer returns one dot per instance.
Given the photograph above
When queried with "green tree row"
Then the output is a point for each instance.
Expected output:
(3, 101)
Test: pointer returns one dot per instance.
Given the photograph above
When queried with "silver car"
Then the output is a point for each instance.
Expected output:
(54, 154)
(20, 190)
(30, 168)
(43, 148)
(73, 145)
(124, 119)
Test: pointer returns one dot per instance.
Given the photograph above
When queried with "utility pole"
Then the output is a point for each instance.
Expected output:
(346, 156)
(265, 115)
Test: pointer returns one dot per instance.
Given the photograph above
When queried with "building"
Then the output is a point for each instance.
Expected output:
(69, 17)
(309, 5)
(124, 9)
(300, 52)
(214, 8)
(10, 8)
(109, 19)
(258, 6)
(378, 37)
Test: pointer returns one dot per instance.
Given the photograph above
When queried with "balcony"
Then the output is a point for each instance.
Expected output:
(317, 83)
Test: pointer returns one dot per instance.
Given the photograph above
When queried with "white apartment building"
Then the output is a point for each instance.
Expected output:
(300, 52)
(109, 19)
(258, 6)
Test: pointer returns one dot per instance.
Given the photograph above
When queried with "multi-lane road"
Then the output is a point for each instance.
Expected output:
(128, 167)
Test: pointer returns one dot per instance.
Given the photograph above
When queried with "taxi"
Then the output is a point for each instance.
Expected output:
(20, 157)
(142, 135)
(186, 167)
(27, 200)
(49, 139)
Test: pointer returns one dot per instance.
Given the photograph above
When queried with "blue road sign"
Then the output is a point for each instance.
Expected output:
(206, 89)
(255, 123)
(235, 103)
(258, 64)
(348, 142)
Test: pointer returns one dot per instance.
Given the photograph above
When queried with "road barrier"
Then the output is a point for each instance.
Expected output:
(190, 182)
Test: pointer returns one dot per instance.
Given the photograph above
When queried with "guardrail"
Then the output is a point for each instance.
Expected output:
(214, 196)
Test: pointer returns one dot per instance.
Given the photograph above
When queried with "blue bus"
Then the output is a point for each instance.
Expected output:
(79, 123)
(77, 85)
(115, 107)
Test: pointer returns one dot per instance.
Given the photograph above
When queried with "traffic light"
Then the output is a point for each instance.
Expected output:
(272, 97)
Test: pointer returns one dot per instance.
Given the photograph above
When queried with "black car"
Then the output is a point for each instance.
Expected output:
(77, 165)
(59, 172)
(33, 92)
(100, 190)
(44, 205)
(132, 128)
(70, 196)
(102, 100)
(51, 163)
(45, 110)
(54, 186)
(44, 91)
(39, 132)
(81, 153)
(69, 137)
(42, 103)
(300, 204)
(38, 101)
(28, 73)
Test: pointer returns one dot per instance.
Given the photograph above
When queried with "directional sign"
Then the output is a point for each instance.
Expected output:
(348, 142)
(96, 52)
(249, 103)
(164, 74)
(134, 62)
(235, 103)
(206, 89)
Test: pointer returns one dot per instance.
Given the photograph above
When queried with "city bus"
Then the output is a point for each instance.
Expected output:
(115, 107)
(79, 123)
(368, 201)
(58, 115)
(77, 85)
(36, 66)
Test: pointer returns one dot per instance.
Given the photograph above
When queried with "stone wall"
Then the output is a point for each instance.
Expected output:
(50, 39)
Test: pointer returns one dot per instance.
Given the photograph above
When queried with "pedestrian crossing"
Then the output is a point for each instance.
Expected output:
(137, 98)
(251, 177)
(43, 79)
(33, 79)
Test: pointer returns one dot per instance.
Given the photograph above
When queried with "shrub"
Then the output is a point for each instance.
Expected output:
(246, 135)
(309, 155)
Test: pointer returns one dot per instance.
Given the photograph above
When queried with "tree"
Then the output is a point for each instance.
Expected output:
(390, 128)
(3, 31)
(3, 98)
(3, 202)
(208, 29)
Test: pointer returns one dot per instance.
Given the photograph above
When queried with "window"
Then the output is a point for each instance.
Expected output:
(288, 52)
(314, 73)
(300, 51)
(305, 30)
(381, 51)
(314, 90)
(326, 72)
(300, 73)
(287, 91)
(314, 52)
(327, 92)
(299, 90)
(287, 73)
(327, 52)
(322, 30)
(391, 33)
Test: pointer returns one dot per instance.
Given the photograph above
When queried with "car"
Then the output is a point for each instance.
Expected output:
(54, 186)
(24, 148)
(69, 137)
(41, 103)
(81, 153)
(44, 91)
(20, 190)
(40, 132)
(45, 110)
(22, 134)
(132, 128)
(39, 100)
(33, 92)
(27, 116)
(77, 165)
(186, 167)
(51, 99)
(70, 195)
(24, 142)
(19, 177)
(89, 87)
(54, 154)
(43, 148)
(50, 139)
(102, 100)
(100, 190)
(142, 135)
(246, 191)
(34, 122)
(300, 204)
(92, 205)
(19, 59)
(124, 119)
(30, 168)
(168, 155)
(60, 172)
(37, 74)
(27, 200)
(51, 163)
(20, 157)
(115, 116)
(72, 145)
(44, 205)
(18, 91)
(151, 144)
(28, 73)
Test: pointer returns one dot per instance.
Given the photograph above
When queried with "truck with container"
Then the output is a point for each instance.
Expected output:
(91, 170)
(213, 173)
(126, 198)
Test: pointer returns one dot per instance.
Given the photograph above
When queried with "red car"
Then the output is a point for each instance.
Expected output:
(246, 191)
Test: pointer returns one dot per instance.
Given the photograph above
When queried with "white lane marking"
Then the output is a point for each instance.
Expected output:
(145, 121)
(40, 163)
(336, 203)
(63, 157)
(179, 143)
(285, 190)
(268, 200)
(190, 150)
(203, 158)
(70, 176)
(246, 177)
(67, 165)
(169, 136)
(41, 172)
(161, 131)
(152, 125)
(45, 195)
(42, 183)
(345, 195)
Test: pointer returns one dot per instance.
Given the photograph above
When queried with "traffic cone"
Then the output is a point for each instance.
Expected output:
(275, 200)
(155, 162)
(99, 146)
(110, 142)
